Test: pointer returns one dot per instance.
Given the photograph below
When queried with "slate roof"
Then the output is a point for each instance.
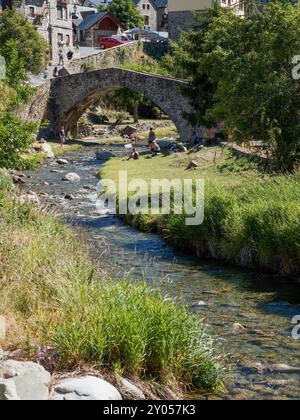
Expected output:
(91, 20)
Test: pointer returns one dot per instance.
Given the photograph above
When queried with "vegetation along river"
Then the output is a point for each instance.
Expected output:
(250, 312)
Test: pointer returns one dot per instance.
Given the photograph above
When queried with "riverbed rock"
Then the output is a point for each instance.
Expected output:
(62, 161)
(29, 198)
(236, 327)
(282, 368)
(69, 197)
(47, 149)
(71, 177)
(104, 155)
(86, 388)
(18, 179)
(129, 391)
(199, 304)
(23, 381)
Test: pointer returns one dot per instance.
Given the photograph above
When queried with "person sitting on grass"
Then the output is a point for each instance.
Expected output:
(155, 149)
(134, 155)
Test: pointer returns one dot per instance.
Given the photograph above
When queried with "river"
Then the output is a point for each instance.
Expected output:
(264, 305)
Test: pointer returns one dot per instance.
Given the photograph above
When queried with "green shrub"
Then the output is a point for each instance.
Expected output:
(16, 137)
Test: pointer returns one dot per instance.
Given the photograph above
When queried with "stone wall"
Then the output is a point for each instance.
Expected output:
(156, 50)
(105, 58)
(178, 22)
(36, 110)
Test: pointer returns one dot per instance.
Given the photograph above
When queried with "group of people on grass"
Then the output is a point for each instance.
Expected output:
(154, 146)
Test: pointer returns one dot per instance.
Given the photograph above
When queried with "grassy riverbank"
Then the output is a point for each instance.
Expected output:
(251, 219)
(54, 298)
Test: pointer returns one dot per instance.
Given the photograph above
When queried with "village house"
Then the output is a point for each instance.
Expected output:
(52, 19)
(97, 25)
(180, 13)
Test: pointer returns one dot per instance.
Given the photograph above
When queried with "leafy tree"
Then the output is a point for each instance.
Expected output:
(240, 73)
(127, 13)
(103, 8)
(250, 62)
(16, 137)
(184, 63)
(31, 47)
(125, 98)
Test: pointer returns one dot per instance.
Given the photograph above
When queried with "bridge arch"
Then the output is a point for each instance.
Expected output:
(72, 95)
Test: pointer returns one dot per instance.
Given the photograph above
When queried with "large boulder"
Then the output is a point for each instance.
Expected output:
(104, 155)
(85, 388)
(71, 177)
(23, 381)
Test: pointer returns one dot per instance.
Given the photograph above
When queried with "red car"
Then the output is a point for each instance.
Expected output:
(112, 41)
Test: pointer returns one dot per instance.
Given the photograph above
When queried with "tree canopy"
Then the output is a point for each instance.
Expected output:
(31, 47)
(127, 13)
(240, 73)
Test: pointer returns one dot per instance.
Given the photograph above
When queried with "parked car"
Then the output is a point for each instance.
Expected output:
(112, 41)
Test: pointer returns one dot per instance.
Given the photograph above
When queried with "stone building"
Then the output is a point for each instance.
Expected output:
(53, 20)
(154, 13)
(180, 14)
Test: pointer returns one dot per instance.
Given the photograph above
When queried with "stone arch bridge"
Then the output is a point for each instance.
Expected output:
(71, 95)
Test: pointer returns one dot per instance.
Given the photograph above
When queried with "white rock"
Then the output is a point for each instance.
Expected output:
(62, 161)
(8, 390)
(237, 327)
(46, 148)
(130, 391)
(29, 198)
(23, 381)
(71, 177)
(85, 388)
(199, 304)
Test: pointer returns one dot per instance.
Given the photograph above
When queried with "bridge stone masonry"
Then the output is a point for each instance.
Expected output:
(72, 95)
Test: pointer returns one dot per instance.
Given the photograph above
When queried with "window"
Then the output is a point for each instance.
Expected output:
(148, 6)
(144, 7)
(147, 20)
(67, 40)
(60, 40)
(62, 13)
(31, 11)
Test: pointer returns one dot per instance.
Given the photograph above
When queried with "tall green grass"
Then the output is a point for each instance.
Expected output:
(54, 297)
(255, 224)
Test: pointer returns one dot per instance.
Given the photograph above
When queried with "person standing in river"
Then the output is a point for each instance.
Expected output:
(62, 136)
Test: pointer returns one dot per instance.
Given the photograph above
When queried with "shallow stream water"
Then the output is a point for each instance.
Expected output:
(262, 304)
